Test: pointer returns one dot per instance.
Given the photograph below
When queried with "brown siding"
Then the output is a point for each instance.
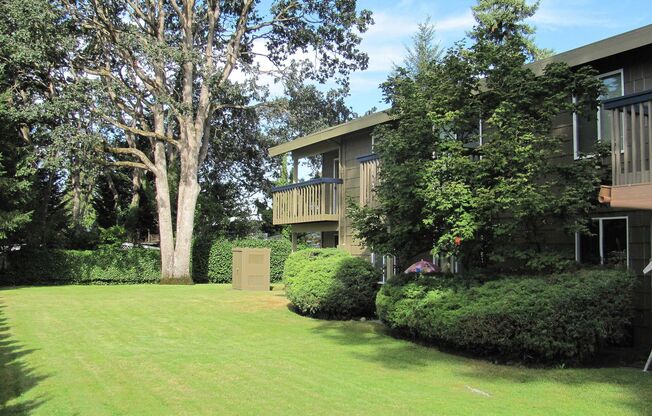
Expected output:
(353, 147)
(637, 77)
(327, 164)
(638, 74)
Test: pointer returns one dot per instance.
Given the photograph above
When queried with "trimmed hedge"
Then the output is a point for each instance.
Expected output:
(210, 263)
(104, 266)
(213, 262)
(330, 283)
(563, 318)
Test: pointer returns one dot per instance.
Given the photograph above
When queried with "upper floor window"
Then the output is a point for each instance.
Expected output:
(596, 126)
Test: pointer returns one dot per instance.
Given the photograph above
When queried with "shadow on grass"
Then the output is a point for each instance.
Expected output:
(378, 346)
(16, 377)
(634, 385)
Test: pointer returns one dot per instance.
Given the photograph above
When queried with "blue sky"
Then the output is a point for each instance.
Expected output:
(561, 25)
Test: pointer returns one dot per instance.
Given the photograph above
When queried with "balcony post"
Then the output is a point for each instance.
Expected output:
(294, 241)
(295, 168)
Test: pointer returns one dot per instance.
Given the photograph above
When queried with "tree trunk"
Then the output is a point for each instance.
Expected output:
(163, 206)
(187, 201)
(76, 198)
(176, 252)
(136, 178)
(114, 190)
(164, 212)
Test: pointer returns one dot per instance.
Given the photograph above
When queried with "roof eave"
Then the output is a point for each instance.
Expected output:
(352, 126)
(598, 50)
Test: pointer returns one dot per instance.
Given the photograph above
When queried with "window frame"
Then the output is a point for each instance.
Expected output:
(600, 220)
(385, 266)
(622, 92)
(576, 124)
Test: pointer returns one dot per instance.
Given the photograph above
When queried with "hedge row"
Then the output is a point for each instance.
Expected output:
(564, 318)
(212, 262)
(330, 283)
(105, 266)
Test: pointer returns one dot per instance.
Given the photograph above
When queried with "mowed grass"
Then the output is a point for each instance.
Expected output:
(206, 349)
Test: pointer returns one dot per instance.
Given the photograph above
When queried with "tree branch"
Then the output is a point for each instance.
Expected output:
(146, 163)
(128, 164)
(139, 132)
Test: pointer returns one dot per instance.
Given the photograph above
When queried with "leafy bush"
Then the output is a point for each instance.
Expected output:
(112, 237)
(564, 318)
(330, 283)
(105, 266)
(201, 249)
(213, 262)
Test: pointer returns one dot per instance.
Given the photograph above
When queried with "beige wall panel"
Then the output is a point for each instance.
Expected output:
(327, 164)
(354, 146)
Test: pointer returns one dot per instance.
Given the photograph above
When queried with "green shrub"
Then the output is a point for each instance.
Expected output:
(330, 283)
(201, 249)
(213, 263)
(112, 237)
(564, 318)
(104, 266)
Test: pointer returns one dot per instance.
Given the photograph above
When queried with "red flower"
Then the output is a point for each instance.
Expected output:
(458, 241)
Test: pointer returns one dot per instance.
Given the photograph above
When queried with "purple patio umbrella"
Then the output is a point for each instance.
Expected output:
(422, 266)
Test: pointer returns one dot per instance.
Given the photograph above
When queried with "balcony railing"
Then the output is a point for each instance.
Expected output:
(311, 201)
(631, 133)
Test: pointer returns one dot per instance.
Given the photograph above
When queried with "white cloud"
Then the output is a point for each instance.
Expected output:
(569, 18)
(383, 57)
(456, 23)
(366, 81)
(558, 14)
(385, 41)
(391, 26)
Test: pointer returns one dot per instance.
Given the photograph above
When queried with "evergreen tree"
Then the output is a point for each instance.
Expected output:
(16, 179)
(485, 194)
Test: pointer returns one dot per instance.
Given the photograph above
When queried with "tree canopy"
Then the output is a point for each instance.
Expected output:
(169, 90)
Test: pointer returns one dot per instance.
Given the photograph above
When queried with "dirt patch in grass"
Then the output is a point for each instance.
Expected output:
(257, 301)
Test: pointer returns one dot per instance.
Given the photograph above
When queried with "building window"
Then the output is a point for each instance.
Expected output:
(608, 243)
(386, 264)
(590, 126)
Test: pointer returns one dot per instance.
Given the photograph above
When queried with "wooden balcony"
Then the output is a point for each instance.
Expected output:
(631, 152)
(316, 200)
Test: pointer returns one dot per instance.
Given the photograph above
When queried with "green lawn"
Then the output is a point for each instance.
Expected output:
(205, 349)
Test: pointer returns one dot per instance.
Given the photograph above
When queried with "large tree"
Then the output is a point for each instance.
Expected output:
(34, 43)
(165, 68)
(489, 180)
